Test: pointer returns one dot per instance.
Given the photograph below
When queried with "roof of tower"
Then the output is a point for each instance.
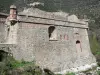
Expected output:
(13, 7)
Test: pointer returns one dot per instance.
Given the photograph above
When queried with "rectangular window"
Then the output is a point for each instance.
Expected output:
(52, 33)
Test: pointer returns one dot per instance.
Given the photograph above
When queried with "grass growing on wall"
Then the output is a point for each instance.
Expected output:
(70, 73)
(98, 72)
(10, 66)
(12, 63)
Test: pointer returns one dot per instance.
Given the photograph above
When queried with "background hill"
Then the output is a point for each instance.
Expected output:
(88, 9)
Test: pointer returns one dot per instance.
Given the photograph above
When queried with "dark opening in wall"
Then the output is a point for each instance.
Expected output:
(50, 30)
(78, 46)
(77, 42)
(77, 33)
(3, 55)
(52, 33)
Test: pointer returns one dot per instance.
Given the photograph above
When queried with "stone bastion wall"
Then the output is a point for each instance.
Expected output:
(57, 44)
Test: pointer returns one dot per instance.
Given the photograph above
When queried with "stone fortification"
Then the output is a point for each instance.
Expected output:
(57, 41)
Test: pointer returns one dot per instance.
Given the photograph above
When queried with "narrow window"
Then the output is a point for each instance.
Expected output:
(52, 33)
(77, 42)
(78, 46)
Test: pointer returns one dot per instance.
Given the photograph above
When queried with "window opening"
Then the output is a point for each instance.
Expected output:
(78, 46)
(52, 33)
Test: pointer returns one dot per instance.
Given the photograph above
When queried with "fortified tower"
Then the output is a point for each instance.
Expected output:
(13, 13)
(57, 41)
(12, 26)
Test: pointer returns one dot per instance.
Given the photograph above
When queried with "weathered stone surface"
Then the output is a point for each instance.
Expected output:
(70, 51)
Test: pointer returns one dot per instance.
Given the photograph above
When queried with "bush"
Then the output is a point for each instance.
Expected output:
(70, 73)
(9, 64)
(98, 72)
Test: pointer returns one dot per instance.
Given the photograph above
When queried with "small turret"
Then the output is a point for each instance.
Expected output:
(13, 13)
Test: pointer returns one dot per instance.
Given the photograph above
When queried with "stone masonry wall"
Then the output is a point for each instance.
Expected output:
(2, 29)
(29, 40)
(57, 55)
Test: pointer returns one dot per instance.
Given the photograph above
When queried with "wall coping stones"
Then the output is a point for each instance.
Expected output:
(62, 16)
(50, 18)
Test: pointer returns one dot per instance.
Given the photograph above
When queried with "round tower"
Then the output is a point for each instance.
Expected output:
(13, 13)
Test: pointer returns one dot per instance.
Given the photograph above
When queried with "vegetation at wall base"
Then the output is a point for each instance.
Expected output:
(70, 73)
(98, 72)
(10, 66)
